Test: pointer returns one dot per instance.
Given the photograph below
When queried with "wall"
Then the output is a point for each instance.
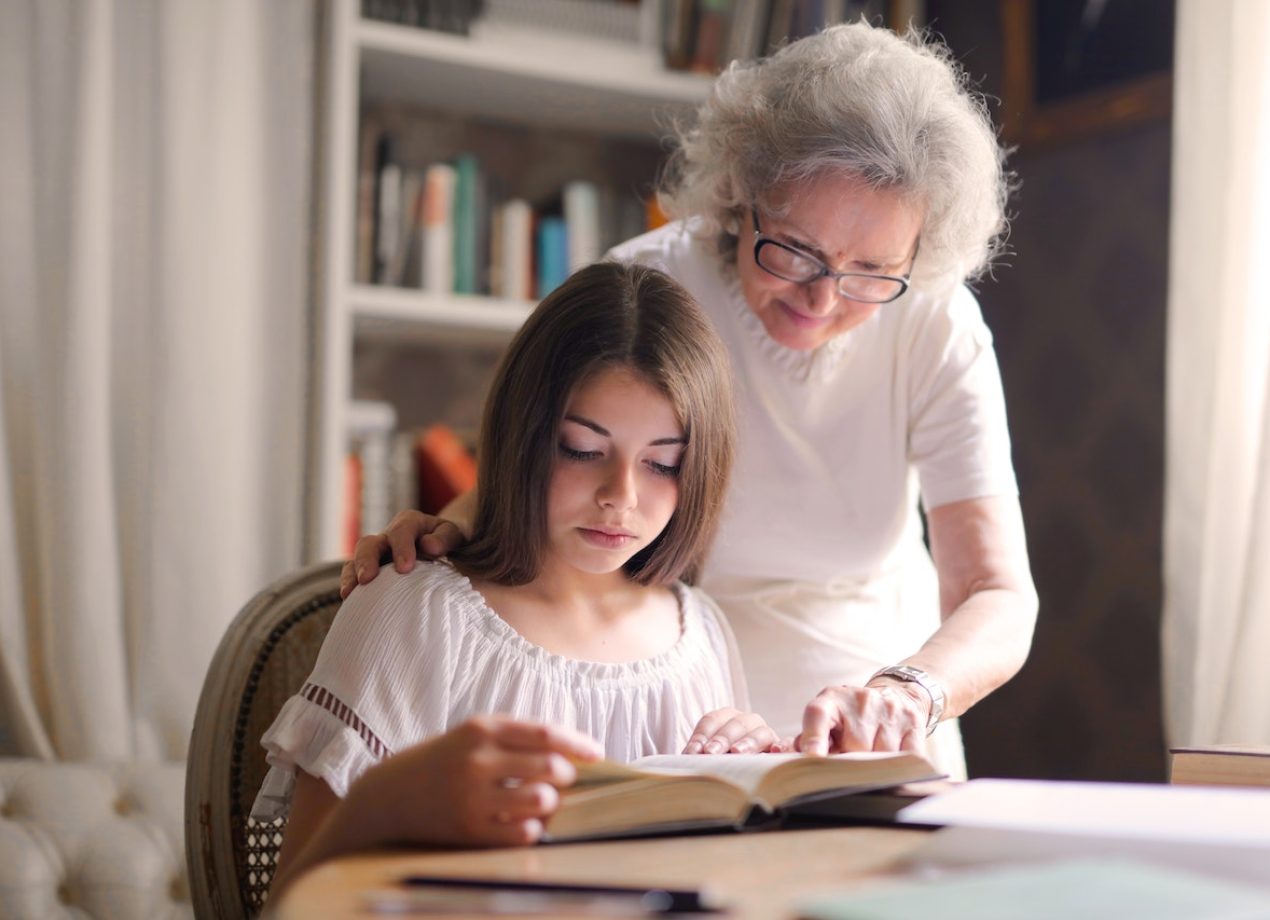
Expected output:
(1078, 318)
(1078, 314)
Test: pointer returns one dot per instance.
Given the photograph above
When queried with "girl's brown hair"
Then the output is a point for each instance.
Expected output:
(605, 315)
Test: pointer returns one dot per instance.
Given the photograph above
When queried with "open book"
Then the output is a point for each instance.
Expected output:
(683, 792)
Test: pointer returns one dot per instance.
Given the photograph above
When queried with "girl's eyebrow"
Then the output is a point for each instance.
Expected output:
(605, 433)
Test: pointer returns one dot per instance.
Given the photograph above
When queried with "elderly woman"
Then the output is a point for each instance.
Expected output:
(832, 202)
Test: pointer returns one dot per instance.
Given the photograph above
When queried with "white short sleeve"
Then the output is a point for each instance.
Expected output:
(959, 439)
(382, 681)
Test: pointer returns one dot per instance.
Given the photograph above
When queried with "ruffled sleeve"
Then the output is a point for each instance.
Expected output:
(381, 682)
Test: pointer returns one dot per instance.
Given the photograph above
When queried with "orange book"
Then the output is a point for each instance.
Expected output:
(654, 216)
(446, 468)
(352, 518)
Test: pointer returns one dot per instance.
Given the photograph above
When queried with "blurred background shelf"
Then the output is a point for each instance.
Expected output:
(400, 315)
(522, 75)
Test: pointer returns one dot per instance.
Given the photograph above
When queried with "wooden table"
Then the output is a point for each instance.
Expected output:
(760, 875)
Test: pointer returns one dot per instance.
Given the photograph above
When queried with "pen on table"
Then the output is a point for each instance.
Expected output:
(427, 894)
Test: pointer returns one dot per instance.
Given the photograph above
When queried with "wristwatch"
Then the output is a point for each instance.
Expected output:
(912, 675)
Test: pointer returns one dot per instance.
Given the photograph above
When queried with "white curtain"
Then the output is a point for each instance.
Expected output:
(154, 171)
(1216, 632)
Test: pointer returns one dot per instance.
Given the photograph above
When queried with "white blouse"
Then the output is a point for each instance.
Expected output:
(412, 656)
(836, 448)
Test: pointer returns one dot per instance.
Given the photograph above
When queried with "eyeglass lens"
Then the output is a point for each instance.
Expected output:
(795, 266)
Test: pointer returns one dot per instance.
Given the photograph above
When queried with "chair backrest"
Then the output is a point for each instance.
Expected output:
(264, 658)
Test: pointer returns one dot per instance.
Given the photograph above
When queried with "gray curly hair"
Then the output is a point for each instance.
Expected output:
(895, 112)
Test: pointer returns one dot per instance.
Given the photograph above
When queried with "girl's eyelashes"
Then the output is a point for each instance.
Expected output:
(661, 469)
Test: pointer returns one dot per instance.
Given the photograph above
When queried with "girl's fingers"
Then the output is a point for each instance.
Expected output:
(527, 800)
(512, 735)
(706, 729)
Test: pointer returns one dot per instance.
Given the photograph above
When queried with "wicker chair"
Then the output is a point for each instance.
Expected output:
(265, 656)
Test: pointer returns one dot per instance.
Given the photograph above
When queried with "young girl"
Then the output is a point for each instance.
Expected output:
(605, 451)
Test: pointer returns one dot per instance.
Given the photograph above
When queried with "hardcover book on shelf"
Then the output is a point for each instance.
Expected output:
(749, 27)
(364, 245)
(669, 793)
(582, 222)
(370, 427)
(515, 247)
(387, 207)
(467, 198)
(446, 468)
(1221, 765)
(553, 254)
(403, 261)
(711, 42)
(437, 240)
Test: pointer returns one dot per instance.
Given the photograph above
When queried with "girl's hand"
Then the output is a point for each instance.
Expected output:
(409, 536)
(492, 781)
(886, 716)
(730, 731)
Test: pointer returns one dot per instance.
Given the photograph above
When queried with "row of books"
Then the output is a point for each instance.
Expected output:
(699, 35)
(445, 228)
(442, 15)
(706, 35)
(387, 469)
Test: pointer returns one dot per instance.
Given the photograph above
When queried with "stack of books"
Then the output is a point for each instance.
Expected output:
(388, 470)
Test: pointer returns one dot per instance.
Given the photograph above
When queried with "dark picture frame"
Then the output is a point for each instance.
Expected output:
(1068, 73)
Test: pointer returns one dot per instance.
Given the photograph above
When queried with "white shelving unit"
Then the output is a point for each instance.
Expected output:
(518, 76)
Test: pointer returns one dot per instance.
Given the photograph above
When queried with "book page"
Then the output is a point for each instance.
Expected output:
(744, 770)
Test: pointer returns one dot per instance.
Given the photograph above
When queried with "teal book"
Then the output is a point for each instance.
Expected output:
(466, 201)
(1081, 889)
(553, 254)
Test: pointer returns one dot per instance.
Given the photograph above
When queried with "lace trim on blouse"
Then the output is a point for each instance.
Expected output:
(320, 696)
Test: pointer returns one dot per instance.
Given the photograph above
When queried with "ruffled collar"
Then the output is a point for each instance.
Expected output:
(642, 670)
(805, 367)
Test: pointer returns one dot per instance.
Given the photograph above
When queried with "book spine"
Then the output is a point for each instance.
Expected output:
(445, 467)
(438, 232)
(712, 35)
(351, 520)
(364, 262)
(553, 254)
(582, 221)
(370, 431)
(516, 250)
(465, 230)
(407, 211)
(388, 208)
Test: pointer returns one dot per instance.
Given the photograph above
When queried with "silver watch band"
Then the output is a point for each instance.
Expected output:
(933, 688)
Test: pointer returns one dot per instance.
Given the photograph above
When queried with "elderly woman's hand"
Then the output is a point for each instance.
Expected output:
(883, 716)
(409, 536)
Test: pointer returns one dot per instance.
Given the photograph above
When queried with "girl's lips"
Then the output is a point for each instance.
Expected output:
(606, 539)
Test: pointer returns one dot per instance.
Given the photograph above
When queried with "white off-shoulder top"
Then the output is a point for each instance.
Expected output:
(412, 656)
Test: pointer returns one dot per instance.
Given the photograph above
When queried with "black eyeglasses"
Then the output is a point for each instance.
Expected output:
(793, 264)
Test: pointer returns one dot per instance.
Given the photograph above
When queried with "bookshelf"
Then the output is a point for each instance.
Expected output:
(497, 75)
